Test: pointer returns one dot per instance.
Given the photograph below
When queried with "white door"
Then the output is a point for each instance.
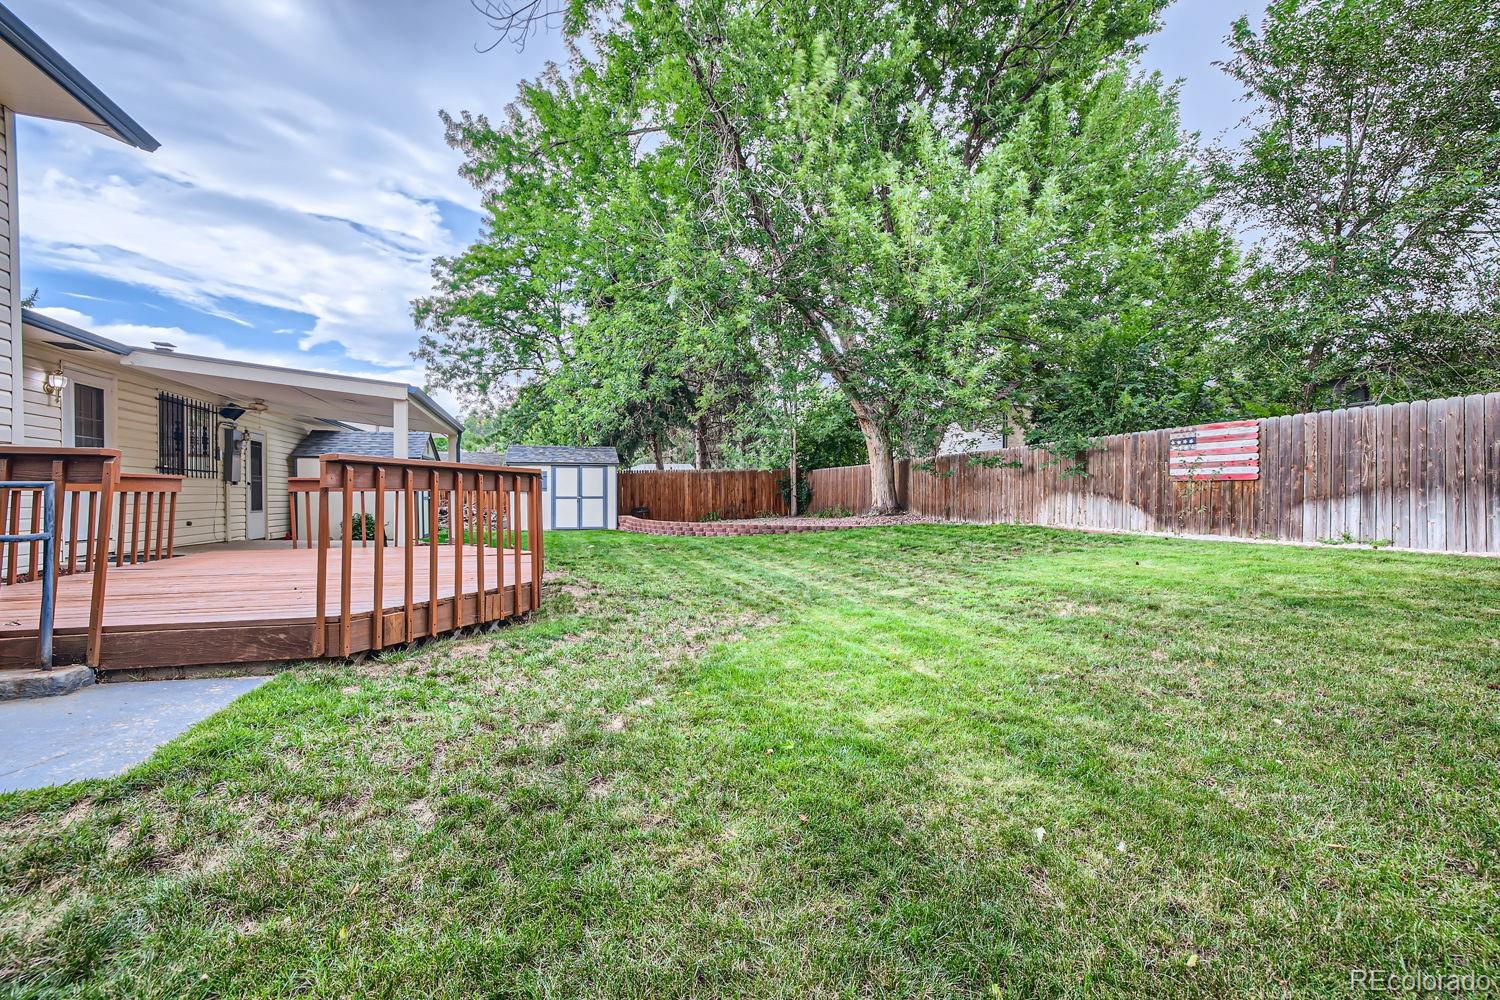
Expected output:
(255, 487)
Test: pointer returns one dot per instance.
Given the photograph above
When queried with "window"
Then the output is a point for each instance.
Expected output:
(185, 436)
(88, 416)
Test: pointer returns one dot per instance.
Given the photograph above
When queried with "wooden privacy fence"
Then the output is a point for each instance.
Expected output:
(693, 495)
(1420, 475)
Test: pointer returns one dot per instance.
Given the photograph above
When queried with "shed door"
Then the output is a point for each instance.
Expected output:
(578, 496)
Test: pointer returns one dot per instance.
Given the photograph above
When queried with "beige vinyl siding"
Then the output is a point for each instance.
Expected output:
(10, 297)
(208, 509)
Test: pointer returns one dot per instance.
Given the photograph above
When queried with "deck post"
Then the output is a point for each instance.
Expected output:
(456, 524)
(534, 540)
(377, 612)
(513, 501)
(409, 543)
(432, 553)
(346, 561)
(111, 474)
(320, 627)
(59, 498)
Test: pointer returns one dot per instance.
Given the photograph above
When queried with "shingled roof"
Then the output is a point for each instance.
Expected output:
(553, 454)
(376, 444)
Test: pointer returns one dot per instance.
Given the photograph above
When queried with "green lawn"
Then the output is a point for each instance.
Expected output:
(918, 761)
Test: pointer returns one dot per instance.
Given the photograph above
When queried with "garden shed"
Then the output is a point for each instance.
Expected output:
(580, 486)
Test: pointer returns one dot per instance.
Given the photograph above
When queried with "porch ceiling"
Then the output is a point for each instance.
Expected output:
(310, 394)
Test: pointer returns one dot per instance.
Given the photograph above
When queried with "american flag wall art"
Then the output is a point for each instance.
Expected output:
(1216, 452)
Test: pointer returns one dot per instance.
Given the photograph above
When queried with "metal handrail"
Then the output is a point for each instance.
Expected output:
(48, 537)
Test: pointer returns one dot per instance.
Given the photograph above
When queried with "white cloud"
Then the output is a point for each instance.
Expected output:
(302, 164)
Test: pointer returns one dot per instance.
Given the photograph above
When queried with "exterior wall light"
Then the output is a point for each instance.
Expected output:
(54, 384)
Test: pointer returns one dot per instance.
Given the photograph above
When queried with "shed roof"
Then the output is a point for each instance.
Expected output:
(376, 444)
(557, 454)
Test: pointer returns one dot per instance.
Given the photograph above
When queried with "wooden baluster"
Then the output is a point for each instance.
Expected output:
(502, 517)
(161, 516)
(364, 523)
(13, 527)
(483, 610)
(120, 531)
(377, 620)
(101, 561)
(73, 530)
(5, 523)
(346, 563)
(172, 526)
(410, 543)
(456, 535)
(146, 549)
(320, 626)
(534, 539)
(135, 526)
(32, 571)
(432, 555)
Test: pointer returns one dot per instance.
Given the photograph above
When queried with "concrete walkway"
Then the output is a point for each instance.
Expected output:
(105, 729)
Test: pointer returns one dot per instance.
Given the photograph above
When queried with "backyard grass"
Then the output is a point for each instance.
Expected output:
(915, 761)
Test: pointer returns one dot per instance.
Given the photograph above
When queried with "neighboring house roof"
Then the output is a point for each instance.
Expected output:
(483, 458)
(350, 397)
(43, 84)
(553, 454)
(959, 440)
(665, 467)
(376, 444)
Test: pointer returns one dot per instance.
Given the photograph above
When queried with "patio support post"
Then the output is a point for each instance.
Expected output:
(400, 427)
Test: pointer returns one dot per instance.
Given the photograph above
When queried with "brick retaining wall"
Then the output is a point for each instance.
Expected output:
(715, 528)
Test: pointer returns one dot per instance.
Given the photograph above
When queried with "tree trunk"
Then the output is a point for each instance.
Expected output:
(656, 451)
(883, 499)
(793, 490)
(700, 442)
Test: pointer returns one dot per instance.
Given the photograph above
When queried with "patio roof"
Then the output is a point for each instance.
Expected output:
(323, 395)
(35, 80)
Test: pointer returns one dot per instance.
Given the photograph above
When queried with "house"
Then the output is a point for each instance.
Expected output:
(958, 440)
(580, 486)
(35, 80)
(234, 431)
(149, 456)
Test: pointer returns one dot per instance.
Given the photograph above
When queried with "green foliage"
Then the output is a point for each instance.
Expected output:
(1372, 174)
(722, 208)
(362, 528)
(833, 512)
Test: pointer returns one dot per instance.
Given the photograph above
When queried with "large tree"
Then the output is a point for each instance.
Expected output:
(933, 201)
(1370, 177)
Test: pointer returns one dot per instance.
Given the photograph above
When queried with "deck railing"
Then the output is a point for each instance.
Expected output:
(407, 510)
(90, 530)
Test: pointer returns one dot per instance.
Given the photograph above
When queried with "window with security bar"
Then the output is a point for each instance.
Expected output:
(185, 434)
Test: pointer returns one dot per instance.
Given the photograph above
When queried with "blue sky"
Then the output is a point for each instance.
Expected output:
(303, 185)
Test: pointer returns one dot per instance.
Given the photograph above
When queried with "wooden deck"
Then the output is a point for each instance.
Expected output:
(217, 606)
